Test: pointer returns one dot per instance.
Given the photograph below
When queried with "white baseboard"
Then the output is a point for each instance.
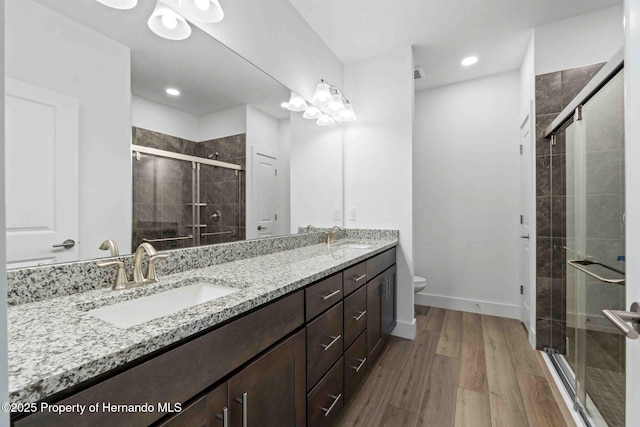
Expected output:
(405, 330)
(472, 306)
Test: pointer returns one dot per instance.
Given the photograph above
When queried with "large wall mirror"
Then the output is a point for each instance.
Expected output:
(97, 148)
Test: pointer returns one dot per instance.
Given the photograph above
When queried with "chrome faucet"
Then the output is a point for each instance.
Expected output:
(138, 278)
(111, 246)
(331, 235)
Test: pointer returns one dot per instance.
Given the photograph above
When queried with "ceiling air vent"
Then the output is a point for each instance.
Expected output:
(418, 73)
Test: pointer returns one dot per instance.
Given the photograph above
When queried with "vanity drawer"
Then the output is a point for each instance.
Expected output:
(355, 366)
(326, 399)
(324, 344)
(183, 372)
(354, 277)
(380, 263)
(355, 315)
(323, 295)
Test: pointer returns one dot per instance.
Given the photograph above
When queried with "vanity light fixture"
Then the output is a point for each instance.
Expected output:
(119, 4)
(168, 24)
(296, 103)
(327, 106)
(469, 60)
(208, 11)
(172, 91)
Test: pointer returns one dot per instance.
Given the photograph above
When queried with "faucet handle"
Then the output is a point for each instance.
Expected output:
(121, 278)
(151, 271)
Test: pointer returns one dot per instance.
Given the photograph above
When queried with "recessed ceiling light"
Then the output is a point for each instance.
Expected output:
(173, 92)
(469, 60)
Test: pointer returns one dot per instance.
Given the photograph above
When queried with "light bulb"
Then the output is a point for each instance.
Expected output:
(296, 103)
(335, 106)
(169, 20)
(322, 96)
(172, 91)
(325, 120)
(469, 60)
(312, 113)
(348, 115)
(203, 5)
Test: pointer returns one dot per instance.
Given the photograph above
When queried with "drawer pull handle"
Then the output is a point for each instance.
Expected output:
(358, 278)
(244, 402)
(359, 316)
(362, 362)
(327, 411)
(334, 340)
(224, 417)
(326, 297)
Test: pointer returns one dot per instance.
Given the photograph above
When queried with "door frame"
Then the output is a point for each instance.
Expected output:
(531, 291)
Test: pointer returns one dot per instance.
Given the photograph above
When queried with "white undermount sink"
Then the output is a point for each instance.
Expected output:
(134, 312)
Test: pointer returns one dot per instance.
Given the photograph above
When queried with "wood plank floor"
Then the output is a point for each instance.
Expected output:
(462, 370)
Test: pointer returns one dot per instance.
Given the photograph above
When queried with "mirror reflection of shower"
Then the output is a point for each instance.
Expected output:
(185, 193)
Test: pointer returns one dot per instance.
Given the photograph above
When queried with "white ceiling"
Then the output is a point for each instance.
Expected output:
(210, 76)
(442, 32)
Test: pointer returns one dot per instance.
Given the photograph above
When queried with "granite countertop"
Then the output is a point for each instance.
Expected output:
(55, 344)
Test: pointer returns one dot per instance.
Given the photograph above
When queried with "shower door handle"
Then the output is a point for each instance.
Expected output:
(621, 320)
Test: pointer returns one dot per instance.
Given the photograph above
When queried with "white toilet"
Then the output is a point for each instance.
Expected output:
(419, 283)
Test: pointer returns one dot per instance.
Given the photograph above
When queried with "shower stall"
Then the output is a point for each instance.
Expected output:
(588, 246)
(181, 200)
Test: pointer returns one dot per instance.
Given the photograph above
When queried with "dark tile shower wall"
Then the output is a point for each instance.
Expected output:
(554, 91)
(162, 190)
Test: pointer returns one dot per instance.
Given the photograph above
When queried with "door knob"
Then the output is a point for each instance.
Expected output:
(67, 244)
(620, 319)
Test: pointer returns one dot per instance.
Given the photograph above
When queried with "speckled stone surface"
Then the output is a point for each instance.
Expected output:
(49, 281)
(55, 344)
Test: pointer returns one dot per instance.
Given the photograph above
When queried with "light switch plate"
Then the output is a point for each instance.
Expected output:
(352, 214)
(337, 214)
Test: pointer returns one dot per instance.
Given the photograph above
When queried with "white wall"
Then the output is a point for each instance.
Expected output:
(284, 167)
(223, 123)
(378, 160)
(53, 52)
(150, 115)
(316, 173)
(632, 156)
(527, 79)
(4, 347)
(582, 40)
(466, 195)
(263, 132)
(273, 36)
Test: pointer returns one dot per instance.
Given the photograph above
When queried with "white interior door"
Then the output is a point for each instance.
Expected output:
(526, 136)
(41, 132)
(265, 174)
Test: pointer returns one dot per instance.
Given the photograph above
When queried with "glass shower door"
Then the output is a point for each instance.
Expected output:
(595, 255)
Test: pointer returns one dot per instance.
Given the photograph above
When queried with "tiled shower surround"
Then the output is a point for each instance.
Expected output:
(163, 191)
(553, 92)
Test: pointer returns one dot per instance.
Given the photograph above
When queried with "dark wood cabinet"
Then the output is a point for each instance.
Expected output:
(374, 331)
(324, 343)
(209, 410)
(355, 366)
(388, 302)
(355, 315)
(327, 398)
(271, 391)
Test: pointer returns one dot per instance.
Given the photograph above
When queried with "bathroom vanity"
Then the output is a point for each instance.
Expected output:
(289, 347)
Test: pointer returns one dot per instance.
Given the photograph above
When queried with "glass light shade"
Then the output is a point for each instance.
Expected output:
(325, 120)
(335, 106)
(347, 115)
(168, 24)
(312, 113)
(119, 4)
(296, 103)
(208, 11)
(322, 96)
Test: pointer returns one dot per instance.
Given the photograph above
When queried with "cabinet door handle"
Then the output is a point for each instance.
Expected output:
(334, 340)
(362, 362)
(326, 297)
(327, 411)
(359, 316)
(358, 278)
(245, 402)
(224, 417)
